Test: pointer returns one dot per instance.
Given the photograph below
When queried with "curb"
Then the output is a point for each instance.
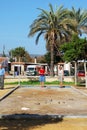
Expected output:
(79, 91)
(7, 94)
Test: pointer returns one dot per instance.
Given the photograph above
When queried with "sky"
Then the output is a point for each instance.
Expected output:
(16, 16)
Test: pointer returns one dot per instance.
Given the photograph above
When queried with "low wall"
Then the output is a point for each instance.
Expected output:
(9, 79)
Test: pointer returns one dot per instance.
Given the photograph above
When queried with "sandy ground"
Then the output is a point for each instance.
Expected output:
(49, 100)
(36, 101)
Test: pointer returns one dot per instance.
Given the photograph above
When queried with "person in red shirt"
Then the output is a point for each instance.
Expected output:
(42, 76)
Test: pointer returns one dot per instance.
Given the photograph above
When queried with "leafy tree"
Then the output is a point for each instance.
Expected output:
(41, 59)
(27, 57)
(57, 58)
(47, 57)
(20, 54)
(54, 25)
(74, 51)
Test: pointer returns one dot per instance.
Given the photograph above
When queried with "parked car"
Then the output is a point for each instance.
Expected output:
(81, 73)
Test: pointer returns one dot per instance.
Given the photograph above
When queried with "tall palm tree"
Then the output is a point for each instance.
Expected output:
(54, 25)
(79, 18)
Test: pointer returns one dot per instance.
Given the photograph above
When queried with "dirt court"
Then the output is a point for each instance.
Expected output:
(44, 108)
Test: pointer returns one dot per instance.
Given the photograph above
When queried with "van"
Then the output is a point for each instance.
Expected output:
(32, 70)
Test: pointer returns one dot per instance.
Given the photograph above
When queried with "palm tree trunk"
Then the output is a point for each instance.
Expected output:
(52, 61)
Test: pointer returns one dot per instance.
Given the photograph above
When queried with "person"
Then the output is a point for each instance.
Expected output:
(2, 75)
(42, 76)
(61, 76)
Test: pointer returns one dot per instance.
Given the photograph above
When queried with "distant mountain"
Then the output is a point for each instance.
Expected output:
(35, 55)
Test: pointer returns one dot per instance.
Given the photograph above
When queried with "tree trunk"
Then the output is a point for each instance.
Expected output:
(52, 61)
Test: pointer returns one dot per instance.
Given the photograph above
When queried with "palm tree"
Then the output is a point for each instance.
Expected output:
(79, 19)
(54, 25)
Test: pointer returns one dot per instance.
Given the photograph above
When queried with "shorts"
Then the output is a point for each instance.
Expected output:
(42, 78)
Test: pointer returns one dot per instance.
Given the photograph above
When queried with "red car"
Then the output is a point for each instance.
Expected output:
(81, 73)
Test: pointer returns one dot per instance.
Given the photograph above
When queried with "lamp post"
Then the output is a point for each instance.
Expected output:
(19, 73)
(85, 74)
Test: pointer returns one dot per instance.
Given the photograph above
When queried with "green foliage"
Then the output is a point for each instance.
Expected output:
(47, 57)
(18, 52)
(21, 53)
(79, 18)
(36, 82)
(57, 58)
(74, 50)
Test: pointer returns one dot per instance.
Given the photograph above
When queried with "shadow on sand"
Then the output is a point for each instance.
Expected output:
(27, 121)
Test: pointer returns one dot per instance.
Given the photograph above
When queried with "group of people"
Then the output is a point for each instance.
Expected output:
(42, 76)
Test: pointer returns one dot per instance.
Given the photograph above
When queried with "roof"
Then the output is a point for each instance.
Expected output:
(3, 59)
(17, 63)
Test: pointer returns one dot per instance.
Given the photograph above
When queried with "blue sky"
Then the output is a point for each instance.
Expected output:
(17, 15)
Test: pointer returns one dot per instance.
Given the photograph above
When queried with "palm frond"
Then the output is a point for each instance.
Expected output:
(38, 36)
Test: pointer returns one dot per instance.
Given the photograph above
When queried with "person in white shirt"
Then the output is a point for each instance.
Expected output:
(61, 75)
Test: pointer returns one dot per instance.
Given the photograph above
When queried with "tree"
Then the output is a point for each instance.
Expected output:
(57, 58)
(55, 27)
(41, 59)
(20, 54)
(74, 51)
(79, 19)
